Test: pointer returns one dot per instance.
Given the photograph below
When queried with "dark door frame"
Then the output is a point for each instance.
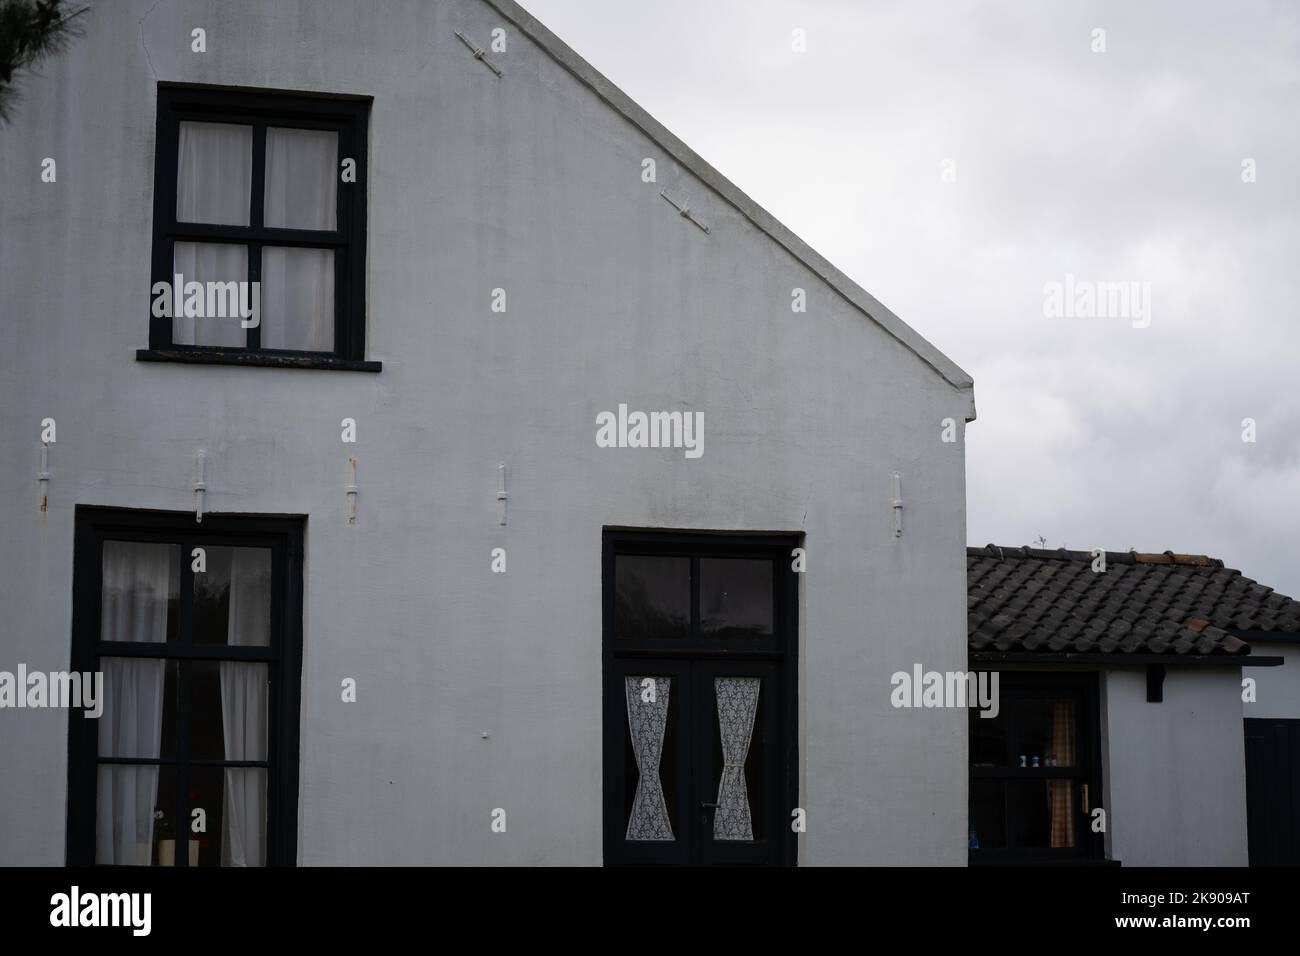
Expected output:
(676, 656)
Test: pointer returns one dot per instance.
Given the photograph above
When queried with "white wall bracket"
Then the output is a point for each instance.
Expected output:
(351, 489)
(502, 497)
(684, 212)
(478, 53)
(897, 504)
(200, 485)
(43, 476)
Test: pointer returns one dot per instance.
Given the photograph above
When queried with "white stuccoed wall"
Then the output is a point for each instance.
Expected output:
(1175, 771)
(532, 183)
(1277, 689)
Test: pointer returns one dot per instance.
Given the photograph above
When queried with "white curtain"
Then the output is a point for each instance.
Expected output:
(297, 283)
(208, 262)
(301, 166)
(297, 298)
(244, 706)
(646, 721)
(214, 173)
(737, 705)
(138, 580)
(213, 185)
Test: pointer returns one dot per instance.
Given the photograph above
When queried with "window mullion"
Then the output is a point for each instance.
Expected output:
(256, 221)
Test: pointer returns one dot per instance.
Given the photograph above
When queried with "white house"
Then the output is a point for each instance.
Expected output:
(1119, 736)
(451, 598)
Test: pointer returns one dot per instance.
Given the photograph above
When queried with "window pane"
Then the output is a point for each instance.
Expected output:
(212, 314)
(1047, 731)
(229, 710)
(234, 801)
(232, 598)
(735, 597)
(988, 739)
(214, 171)
(1043, 813)
(139, 718)
(298, 299)
(988, 818)
(133, 813)
(301, 166)
(140, 593)
(652, 597)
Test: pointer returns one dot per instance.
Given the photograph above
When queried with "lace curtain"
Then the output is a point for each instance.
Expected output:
(646, 720)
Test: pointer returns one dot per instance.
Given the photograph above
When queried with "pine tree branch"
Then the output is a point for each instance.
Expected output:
(31, 31)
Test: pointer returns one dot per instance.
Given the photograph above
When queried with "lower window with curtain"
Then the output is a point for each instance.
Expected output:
(196, 629)
(1035, 772)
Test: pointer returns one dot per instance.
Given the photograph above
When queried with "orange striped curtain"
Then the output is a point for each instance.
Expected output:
(1059, 791)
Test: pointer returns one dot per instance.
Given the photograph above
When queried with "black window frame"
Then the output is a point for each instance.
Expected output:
(349, 117)
(284, 536)
(1083, 689)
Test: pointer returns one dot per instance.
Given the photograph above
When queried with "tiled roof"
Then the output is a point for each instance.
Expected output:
(1026, 599)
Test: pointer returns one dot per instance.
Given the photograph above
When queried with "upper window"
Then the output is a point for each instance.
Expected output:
(259, 230)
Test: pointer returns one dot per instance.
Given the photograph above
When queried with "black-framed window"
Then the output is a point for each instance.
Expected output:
(196, 630)
(1035, 771)
(259, 207)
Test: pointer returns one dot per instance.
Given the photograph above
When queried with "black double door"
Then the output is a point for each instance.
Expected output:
(699, 709)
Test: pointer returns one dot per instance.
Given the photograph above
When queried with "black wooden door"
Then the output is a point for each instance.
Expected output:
(1273, 791)
(699, 709)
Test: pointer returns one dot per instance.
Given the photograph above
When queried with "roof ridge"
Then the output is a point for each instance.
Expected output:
(1131, 556)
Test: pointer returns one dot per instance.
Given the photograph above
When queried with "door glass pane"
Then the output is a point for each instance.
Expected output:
(140, 593)
(738, 782)
(228, 718)
(1047, 731)
(214, 171)
(139, 715)
(213, 312)
(298, 299)
(301, 171)
(988, 818)
(133, 813)
(652, 597)
(735, 597)
(988, 739)
(1043, 813)
(646, 791)
(232, 597)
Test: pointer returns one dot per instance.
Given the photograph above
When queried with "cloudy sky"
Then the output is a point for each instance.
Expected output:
(1117, 166)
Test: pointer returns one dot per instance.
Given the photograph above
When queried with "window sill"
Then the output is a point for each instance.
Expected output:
(253, 358)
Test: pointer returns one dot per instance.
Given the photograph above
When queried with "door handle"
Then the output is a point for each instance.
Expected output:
(708, 806)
